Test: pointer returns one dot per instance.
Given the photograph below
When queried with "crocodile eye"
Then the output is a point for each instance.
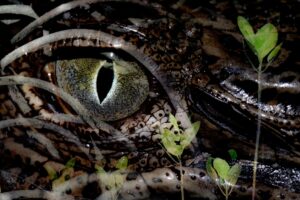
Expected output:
(106, 83)
(100, 63)
(112, 89)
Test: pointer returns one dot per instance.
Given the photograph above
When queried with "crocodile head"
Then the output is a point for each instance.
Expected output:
(93, 81)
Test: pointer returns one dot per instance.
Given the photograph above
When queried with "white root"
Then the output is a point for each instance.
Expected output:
(57, 36)
(18, 10)
(111, 41)
(20, 80)
(93, 121)
(55, 12)
(19, 99)
(45, 142)
(58, 117)
(31, 122)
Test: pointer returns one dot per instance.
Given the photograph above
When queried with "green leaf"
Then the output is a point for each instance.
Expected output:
(262, 42)
(169, 140)
(252, 47)
(233, 174)
(176, 143)
(117, 180)
(265, 40)
(112, 180)
(99, 169)
(169, 136)
(174, 122)
(245, 28)
(70, 163)
(233, 154)
(274, 52)
(122, 163)
(189, 134)
(222, 167)
(51, 172)
(210, 170)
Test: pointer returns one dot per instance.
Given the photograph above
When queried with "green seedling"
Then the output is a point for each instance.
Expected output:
(263, 44)
(113, 180)
(52, 173)
(176, 140)
(122, 163)
(223, 175)
(70, 163)
(64, 175)
(233, 154)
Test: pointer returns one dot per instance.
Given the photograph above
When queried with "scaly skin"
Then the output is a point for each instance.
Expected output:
(194, 59)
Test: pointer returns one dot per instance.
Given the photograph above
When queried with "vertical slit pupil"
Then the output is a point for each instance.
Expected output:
(104, 82)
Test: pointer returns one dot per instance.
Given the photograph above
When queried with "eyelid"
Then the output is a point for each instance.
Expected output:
(100, 38)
